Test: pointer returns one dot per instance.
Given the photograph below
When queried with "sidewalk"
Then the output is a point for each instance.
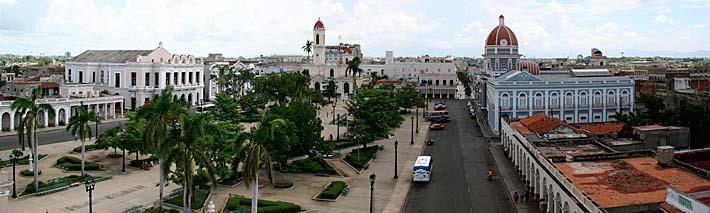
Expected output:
(46, 129)
(510, 178)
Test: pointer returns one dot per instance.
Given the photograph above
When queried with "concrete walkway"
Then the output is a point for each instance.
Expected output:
(510, 178)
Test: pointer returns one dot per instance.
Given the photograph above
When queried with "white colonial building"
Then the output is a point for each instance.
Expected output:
(137, 75)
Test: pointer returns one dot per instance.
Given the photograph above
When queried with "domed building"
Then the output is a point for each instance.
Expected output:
(501, 50)
(530, 66)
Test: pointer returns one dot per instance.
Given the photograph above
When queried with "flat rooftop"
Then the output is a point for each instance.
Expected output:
(629, 181)
(556, 149)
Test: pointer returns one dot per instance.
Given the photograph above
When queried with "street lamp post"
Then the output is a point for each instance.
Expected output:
(417, 114)
(395, 159)
(14, 189)
(90, 186)
(372, 192)
(412, 135)
(123, 147)
(337, 127)
(336, 102)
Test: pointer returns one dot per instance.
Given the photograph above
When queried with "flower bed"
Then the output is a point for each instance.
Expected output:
(310, 165)
(242, 204)
(358, 158)
(332, 191)
(70, 163)
(20, 161)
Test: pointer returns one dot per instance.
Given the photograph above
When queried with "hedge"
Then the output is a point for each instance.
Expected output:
(359, 161)
(333, 190)
(242, 204)
(20, 161)
(70, 163)
(28, 173)
(90, 147)
(55, 183)
(200, 198)
(283, 185)
(139, 163)
(157, 210)
(310, 165)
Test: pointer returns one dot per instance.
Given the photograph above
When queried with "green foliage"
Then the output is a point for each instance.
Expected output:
(226, 108)
(304, 126)
(283, 87)
(358, 158)
(274, 135)
(55, 183)
(21, 161)
(70, 163)
(408, 97)
(242, 204)
(330, 90)
(90, 147)
(333, 190)
(374, 113)
(157, 210)
(200, 198)
(309, 165)
(283, 185)
(28, 173)
(466, 81)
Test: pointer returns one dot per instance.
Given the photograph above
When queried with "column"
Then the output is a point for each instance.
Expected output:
(46, 119)
(106, 111)
(161, 80)
(122, 111)
(12, 121)
(56, 117)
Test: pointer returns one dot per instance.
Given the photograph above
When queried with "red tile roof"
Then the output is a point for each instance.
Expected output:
(541, 123)
(602, 128)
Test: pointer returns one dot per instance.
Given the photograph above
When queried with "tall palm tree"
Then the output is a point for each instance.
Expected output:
(28, 125)
(189, 147)
(308, 48)
(222, 75)
(354, 69)
(257, 154)
(162, 117)
(79, 127)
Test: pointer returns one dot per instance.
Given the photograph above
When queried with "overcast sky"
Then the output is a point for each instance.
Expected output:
(409, 27)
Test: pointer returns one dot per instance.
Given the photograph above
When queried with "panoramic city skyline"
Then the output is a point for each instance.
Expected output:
(410, 28)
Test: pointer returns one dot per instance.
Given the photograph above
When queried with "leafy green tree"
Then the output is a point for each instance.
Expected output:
(226, 108)
(304, 125)
(162, 116)
(227, 150)
(80, 128)
(374, 114)
(222, 75)
(256, 155)
(28, 124)
(408, 97)
(273, 134)
(308, 47)
(283, 87)
(330, 90)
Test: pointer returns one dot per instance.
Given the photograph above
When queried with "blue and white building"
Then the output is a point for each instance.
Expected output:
(579, 96)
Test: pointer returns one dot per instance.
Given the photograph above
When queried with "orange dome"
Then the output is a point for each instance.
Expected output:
(319, 25)
(530, 66)
(501, 35)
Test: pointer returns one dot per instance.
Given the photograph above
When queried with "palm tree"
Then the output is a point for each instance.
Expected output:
(354, 68)
(222, 75)
(189, 146)
(257, 154)
(308, 48)
(30, 108)
(162, 116)
(79, 127)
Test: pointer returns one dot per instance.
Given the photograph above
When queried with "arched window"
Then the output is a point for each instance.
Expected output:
(317, 38)
(346, 88)
(597, 98)
(101, 76)
(332, 73)
(522, 101)
(505, 101)
(611, 99)
(554, 100)
(539, 101)
(583, 99)
(317, 86)
(569, 99)
(624, 98)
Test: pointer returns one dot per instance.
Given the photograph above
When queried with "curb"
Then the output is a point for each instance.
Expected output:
(411, 185)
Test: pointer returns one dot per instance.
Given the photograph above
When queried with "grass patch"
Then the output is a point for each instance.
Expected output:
(158, 210)
(70, 163)
(359, 157)
(20, 161)
(333, 190)
(200, 197)
(310, 165)
(90, 147)
(283, 185)
(55, 183)
(28, 173)
(243, 204)
(250, 118)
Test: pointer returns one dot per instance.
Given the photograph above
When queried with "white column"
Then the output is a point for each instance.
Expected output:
(12, 121)
(56, 118)
(46, 119)
(106, 111)
(122, 111)
(161, 80)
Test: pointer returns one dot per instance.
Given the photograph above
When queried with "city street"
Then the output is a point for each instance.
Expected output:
(461, 161)
(50, 136)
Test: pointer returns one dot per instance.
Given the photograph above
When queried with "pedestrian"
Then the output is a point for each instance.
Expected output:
(515, 197)
(525, 196)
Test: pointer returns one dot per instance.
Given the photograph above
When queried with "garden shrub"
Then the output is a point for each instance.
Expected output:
(28, 173)
(242, 204)
(200, 198)
(70, 163)
(333, 190)
(359, 161)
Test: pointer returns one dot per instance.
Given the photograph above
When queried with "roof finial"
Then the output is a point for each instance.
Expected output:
(160, 44)
(501, 20)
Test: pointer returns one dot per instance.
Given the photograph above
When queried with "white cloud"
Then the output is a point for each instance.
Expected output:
(7, 2)
(664, 10)
(699, 26)
(663, 19)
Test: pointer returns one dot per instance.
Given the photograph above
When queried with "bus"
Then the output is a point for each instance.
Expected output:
(422, 169)
(436, 114)
(204, 108)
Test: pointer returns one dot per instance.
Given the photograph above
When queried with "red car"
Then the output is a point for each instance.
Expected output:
(436, 127)
(440, 120)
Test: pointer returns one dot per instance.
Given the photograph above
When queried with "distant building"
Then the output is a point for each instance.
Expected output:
(137, 75)
(501, 50)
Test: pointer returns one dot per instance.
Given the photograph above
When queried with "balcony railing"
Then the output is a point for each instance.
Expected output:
(598, 104)
(554, 106)
(522, 107)
(539, 107)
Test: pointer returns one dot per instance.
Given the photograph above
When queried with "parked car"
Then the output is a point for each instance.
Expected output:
(440, 120)
(440, 107)
(436, 127)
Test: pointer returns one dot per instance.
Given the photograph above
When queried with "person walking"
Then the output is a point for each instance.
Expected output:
(515, 197)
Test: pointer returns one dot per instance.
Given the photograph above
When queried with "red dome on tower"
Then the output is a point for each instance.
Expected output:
(501, 35)
(319, 25)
